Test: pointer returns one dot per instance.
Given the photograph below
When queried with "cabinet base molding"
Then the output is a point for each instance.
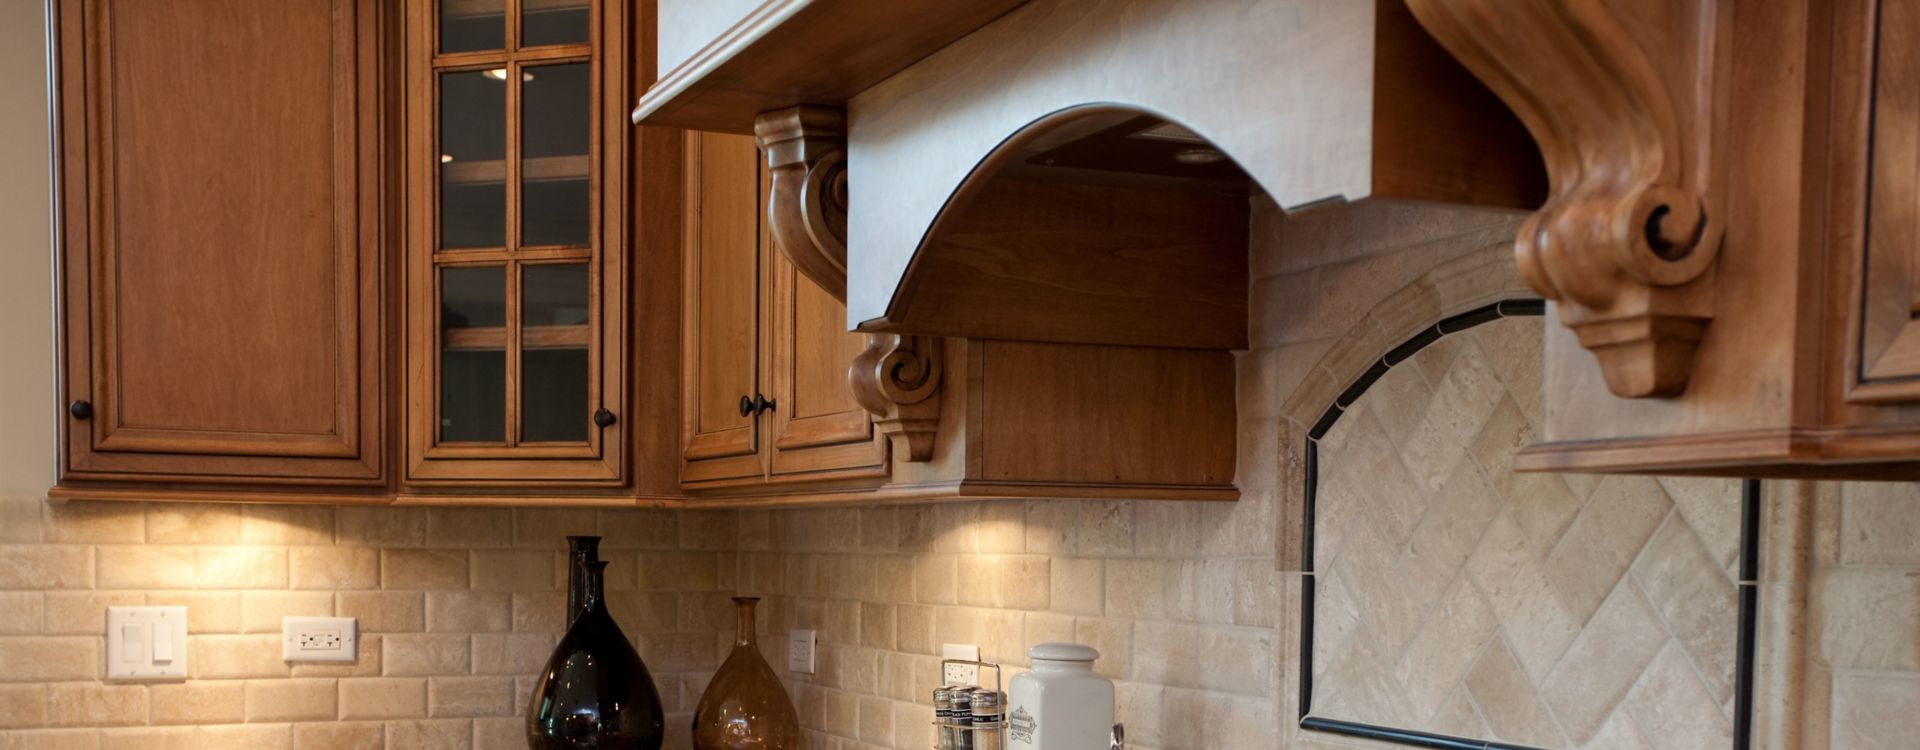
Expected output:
(530, 499)
(285, 497)
(1794, 453)
(972, 491)
(958, 491)
(540, 501)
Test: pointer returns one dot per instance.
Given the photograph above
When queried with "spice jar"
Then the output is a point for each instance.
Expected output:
(942, 718)
(987, 708)
(962, 718)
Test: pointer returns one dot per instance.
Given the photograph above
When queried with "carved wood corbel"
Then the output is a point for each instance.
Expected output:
(806, 148)
(1624, 98)
(897, 378)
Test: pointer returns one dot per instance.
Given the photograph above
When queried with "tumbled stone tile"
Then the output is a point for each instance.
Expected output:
(1508, 701)
(1672, 704)
(1853, 607)
(1695, 598)
(1602, 664)
(1439, 657)
(1617, 521)
(1875, 712)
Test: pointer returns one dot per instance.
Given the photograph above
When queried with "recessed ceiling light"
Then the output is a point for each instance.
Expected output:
(444, 158)
(1200, 156)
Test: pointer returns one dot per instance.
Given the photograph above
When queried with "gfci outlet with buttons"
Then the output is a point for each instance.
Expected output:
(960, 674)
(319, 639)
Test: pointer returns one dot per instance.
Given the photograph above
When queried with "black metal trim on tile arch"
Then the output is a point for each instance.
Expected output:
(1747, 586)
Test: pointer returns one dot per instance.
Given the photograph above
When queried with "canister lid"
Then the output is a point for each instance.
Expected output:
(1063, 652)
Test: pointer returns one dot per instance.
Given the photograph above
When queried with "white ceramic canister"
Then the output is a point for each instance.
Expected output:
(1060, 704)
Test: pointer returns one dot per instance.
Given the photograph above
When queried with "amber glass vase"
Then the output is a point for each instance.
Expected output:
(745, 707)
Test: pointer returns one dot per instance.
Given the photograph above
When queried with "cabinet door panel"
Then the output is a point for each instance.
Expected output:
(723, 217)
(818, 426)
(220, 238)
(1886, 366)
(517, 176)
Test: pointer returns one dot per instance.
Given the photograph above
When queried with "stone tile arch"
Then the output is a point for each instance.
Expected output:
(1448, 602)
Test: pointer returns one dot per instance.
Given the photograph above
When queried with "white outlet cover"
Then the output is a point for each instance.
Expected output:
(326, 639)
(960, 674)
(146, 643)
(800, 651)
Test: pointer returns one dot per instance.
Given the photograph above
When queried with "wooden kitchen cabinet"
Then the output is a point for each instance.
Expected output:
(304, 243)
(221, 236)
(767, 399)
(515, 264)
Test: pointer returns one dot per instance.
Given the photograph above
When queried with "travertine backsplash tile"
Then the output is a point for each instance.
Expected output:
(1455, 597)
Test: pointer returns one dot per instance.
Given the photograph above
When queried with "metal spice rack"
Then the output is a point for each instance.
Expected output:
(1000, 732)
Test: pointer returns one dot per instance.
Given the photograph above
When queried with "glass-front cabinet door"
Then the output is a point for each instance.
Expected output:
(515, 301)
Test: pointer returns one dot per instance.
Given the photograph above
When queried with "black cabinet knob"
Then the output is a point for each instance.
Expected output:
(80, 410)
(746, 406)
(762, 404)
(602, 417)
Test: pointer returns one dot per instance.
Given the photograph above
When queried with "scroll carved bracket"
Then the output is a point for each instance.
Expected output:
(1626, 100)
(806, 148)
(897, 379)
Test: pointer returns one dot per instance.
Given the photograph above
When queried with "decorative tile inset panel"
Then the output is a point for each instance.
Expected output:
(1456, 597)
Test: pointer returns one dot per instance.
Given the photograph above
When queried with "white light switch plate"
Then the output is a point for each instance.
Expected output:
(960, 674)
(146, 643)
(319, 639)
(800, 648)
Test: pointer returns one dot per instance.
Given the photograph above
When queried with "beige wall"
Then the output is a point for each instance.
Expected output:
(26, 281)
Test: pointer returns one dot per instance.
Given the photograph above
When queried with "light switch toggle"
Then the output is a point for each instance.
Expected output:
(146, 643)
(134, 650)
(162, 645)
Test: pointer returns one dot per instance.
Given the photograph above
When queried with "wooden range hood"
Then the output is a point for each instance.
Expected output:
(967, 218)
(909, 139)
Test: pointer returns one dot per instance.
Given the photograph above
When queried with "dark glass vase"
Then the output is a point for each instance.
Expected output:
(594, 692)
(580, 549)
(745, 707)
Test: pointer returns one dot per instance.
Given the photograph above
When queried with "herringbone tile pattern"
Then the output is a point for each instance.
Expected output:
(1555, 611)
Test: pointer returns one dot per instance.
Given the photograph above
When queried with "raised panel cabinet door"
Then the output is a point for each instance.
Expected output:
(818, 430)
(722, 314)
(220, 166)
(1886, 331)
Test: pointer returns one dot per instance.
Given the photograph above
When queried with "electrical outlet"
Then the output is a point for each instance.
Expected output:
(960, 674)
(325, 640)
(319, 639)
(800, 645)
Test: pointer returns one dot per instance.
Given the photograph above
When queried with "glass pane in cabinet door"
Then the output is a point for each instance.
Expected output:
(544, 22)
(473, 159)
(555, 309)
(473, 25)
(473, 355)
(556, 131)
